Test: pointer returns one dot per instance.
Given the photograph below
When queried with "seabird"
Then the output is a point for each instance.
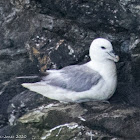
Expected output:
(94, 80)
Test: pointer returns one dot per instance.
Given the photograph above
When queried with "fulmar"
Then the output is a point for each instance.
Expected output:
(94, 80)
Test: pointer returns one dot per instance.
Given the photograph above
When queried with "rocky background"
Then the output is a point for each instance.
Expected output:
(36, 35)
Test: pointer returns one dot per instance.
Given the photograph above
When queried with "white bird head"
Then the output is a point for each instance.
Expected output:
(102, 50)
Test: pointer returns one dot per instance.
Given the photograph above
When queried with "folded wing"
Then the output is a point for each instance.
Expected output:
(76, 78)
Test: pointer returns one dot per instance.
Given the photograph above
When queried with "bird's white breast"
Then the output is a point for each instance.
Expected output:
(107, 85)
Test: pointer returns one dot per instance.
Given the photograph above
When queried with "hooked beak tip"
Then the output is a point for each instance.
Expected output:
(116, 58)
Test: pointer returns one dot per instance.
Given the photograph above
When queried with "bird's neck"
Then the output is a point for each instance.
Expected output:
(105, 68)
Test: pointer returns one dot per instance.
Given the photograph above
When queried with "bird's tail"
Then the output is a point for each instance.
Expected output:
(46, 90)
(27, 85)
(37, 87)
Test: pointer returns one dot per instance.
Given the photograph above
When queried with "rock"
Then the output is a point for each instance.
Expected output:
(115, 119)
(92, 120)
(3, 120)
(11, 67)
(95, 14)
(9, 89)
(13, 55)
(59, 51)
(61, 112)
(37, 35)
(22, 103)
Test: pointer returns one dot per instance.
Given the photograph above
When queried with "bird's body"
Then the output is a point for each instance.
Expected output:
(95, 80)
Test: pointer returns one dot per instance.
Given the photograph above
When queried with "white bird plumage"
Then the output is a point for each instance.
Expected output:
(95, 80)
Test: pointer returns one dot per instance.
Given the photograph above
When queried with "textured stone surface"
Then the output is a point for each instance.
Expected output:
(49, 34)
(16, 28)
(91, 120)
(115, 119)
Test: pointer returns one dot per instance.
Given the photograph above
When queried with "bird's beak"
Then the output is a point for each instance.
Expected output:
(113, 56)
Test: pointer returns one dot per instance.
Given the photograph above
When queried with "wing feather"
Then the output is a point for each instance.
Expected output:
(76, 78)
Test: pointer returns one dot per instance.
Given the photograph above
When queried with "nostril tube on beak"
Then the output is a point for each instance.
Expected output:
(114, 56)
(113, 52)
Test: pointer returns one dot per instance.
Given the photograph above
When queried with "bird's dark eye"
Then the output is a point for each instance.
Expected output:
(103, 47)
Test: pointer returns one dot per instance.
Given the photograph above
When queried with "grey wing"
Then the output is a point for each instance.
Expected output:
(76, 78)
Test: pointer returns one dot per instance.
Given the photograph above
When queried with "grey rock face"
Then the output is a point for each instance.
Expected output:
(16, 29)
(92, 120)
(36, 35)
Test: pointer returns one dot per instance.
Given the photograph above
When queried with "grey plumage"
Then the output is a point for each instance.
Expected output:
(75, 78)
